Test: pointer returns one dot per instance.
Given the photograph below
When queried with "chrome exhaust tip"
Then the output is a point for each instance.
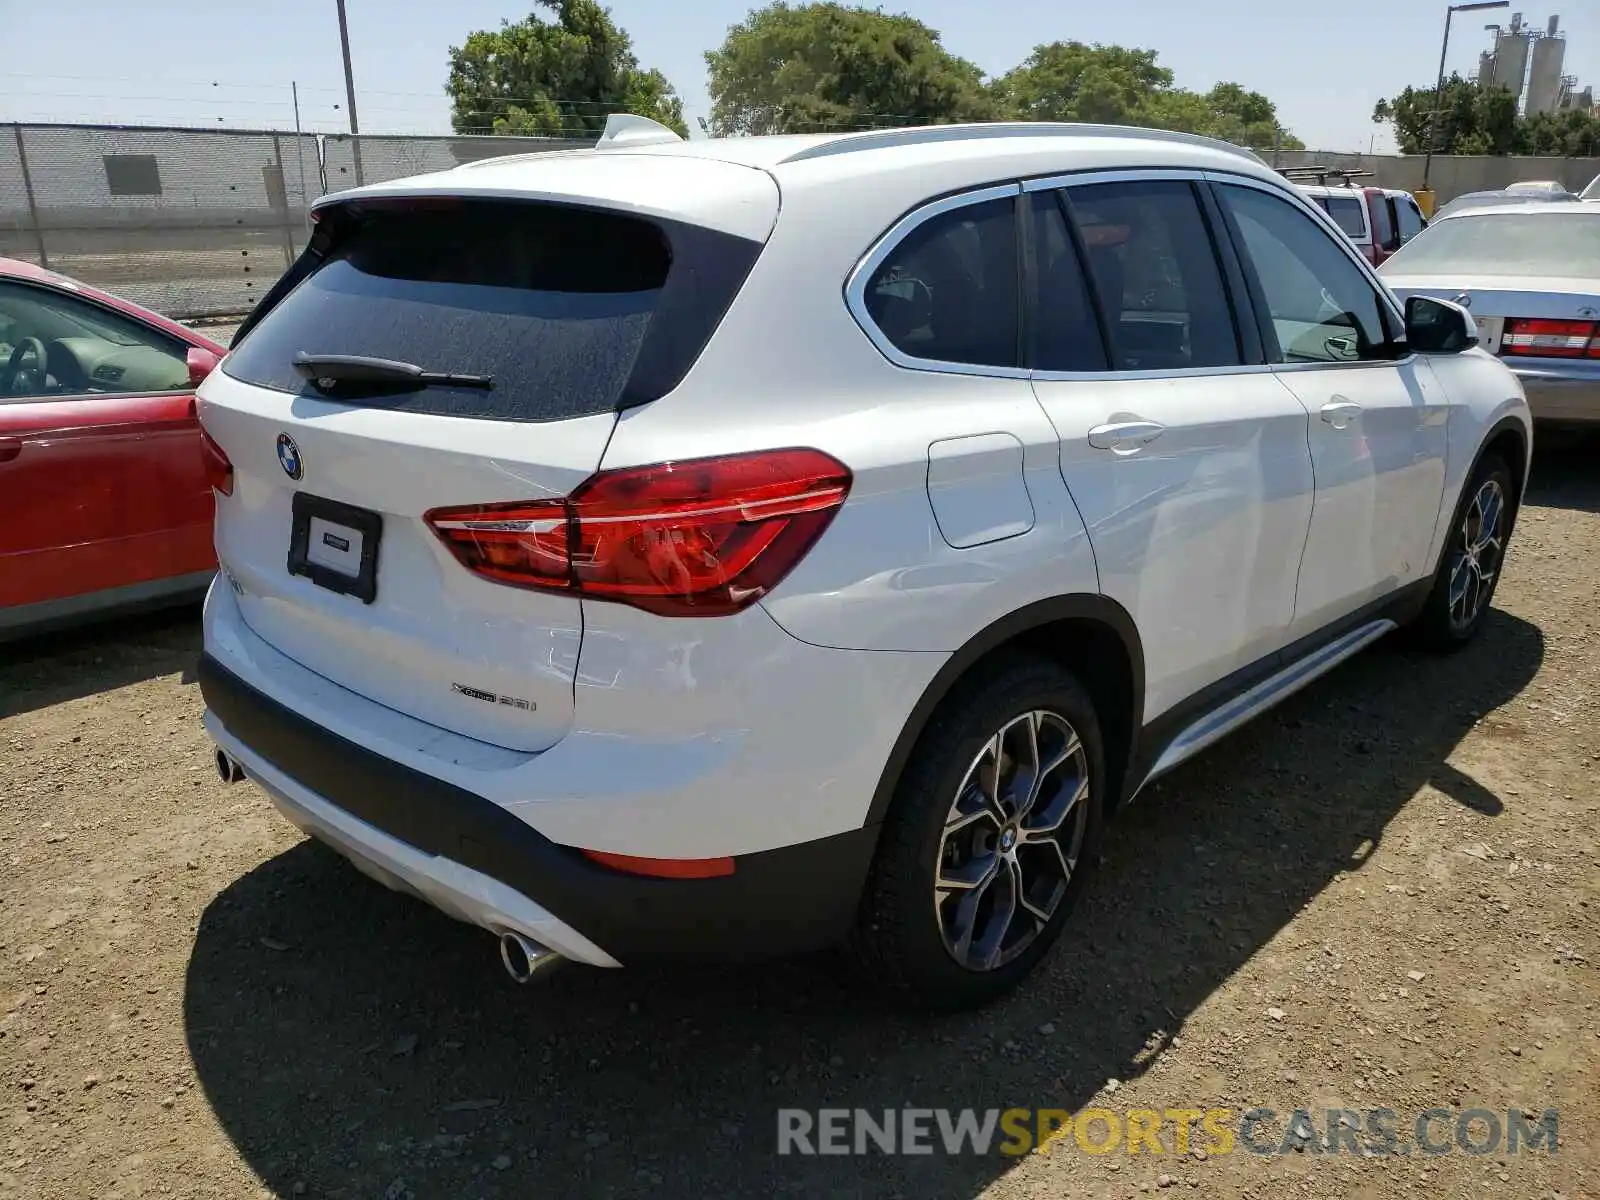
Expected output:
(228, 770)
(523, 957)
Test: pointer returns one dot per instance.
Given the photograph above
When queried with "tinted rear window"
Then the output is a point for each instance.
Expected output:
(565, 308)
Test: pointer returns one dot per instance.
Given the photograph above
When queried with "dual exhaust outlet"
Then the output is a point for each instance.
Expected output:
(521, 956)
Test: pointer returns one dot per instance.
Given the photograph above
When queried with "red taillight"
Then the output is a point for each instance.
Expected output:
(663, 868)
(1540, 338)
(701, 537)
(219, 471)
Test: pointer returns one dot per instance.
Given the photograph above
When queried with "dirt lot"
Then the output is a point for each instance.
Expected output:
(1383, 895)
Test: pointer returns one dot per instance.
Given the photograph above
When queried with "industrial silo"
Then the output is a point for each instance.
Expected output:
(1544, 80)
(1511, 56)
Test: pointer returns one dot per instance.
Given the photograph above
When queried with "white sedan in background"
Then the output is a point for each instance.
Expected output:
(1530, 276)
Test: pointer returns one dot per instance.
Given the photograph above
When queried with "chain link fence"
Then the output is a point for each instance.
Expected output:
(200, 222)
(193, 222)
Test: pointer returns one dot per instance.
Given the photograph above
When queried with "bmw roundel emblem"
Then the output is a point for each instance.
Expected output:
(289, 457)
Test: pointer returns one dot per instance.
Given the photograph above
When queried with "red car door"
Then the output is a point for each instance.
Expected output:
(103, 490)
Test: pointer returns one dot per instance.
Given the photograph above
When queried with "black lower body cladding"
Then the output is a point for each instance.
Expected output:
(777, 902)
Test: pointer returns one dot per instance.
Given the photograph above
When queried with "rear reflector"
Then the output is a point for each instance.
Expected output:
(701, 537)
(219, 471)
(1536, 337)
(664, 868)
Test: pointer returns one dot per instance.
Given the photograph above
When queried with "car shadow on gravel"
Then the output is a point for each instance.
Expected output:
(348, 1038)
(1566, 470)
(52, 668)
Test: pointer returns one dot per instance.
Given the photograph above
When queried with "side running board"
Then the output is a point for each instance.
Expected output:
(1246, 706)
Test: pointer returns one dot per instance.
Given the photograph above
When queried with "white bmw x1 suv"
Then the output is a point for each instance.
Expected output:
(744, 546)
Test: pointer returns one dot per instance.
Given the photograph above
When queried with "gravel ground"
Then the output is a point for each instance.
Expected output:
(1382, 895)
(219, 331)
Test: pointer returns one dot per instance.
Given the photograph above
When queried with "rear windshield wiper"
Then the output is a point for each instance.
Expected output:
(328, 371)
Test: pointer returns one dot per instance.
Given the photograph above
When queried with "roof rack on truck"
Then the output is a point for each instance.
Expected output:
(1322, 176)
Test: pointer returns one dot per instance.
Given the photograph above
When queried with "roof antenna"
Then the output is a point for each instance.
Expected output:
(625, 129)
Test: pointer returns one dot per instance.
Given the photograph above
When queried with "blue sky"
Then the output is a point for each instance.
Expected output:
(230, 64)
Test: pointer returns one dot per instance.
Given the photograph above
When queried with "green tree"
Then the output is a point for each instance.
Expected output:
(1484, 120)
(792, 68)
(1569, 133)
(1540, 134)
(1494, 117)
(1472, 119)
(1071, 81)
(1227, 111)
(554, 78)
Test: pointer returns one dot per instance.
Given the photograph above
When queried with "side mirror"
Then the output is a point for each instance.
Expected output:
(1439, 326)
(201, 363)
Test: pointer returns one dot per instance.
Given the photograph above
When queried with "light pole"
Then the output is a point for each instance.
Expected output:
(1438, 88)
(350, 89)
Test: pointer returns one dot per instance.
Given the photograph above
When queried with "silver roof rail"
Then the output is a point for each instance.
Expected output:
(920, 135)
(625, 129)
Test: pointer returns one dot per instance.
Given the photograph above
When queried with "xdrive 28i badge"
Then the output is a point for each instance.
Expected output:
(289, 457)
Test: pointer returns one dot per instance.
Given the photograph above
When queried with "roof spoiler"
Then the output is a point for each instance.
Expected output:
(625, 129)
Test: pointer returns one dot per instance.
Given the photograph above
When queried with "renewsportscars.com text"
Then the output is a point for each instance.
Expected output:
(1263, 1131)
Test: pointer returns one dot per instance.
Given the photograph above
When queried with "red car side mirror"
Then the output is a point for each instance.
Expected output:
(201, 363)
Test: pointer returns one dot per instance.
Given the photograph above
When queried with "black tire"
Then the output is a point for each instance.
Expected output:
(1440, 625)
(899, 937)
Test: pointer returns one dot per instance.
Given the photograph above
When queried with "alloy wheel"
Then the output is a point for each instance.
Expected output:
(1479, 546)
(1011, 840)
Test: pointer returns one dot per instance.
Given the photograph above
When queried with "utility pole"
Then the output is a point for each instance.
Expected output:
(1425, 193)
(350, 91)
(299, 146)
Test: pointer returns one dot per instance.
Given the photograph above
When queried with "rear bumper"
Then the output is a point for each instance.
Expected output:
(473, 859)
(1568, 393)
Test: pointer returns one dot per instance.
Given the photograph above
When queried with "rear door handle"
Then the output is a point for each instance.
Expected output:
(1339, 412)
(10, 447)
(1125, 437)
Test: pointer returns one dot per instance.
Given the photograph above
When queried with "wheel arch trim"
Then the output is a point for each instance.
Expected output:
(1516, 424)
(1084, 606)
(1519, 427)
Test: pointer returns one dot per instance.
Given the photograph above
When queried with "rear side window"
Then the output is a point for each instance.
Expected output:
(570, 311)
(948, 291)
(1156, 273)
(1346, 214)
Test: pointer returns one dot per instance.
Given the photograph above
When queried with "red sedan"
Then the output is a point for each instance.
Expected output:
(103, 486)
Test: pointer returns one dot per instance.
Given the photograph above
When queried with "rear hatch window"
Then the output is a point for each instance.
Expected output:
(568, 311)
